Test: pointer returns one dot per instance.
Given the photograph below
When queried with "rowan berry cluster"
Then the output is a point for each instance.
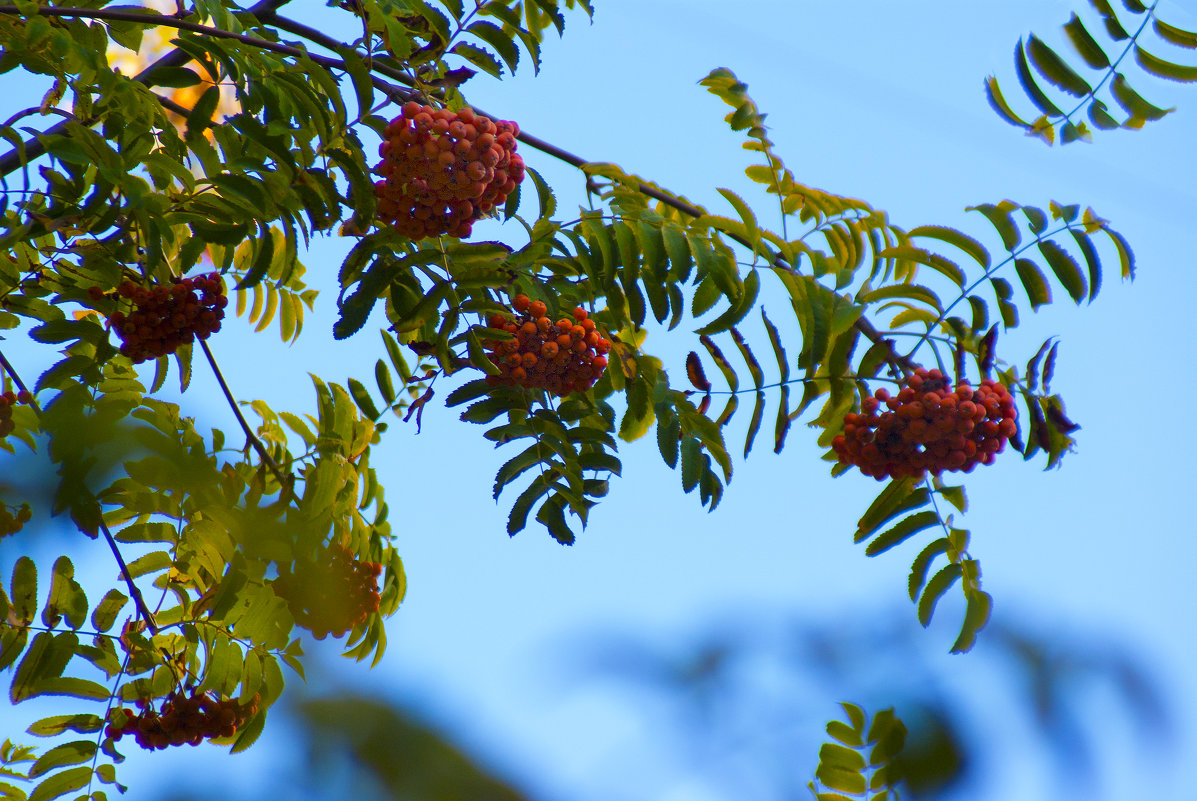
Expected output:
(443, 170)
(562, 357)
(333, 595)
(7, 401)
(183, 719)
(10, 522)
(927, 426)
(167, 316)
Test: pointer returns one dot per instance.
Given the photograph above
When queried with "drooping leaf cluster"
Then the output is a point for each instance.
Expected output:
(1070, 95)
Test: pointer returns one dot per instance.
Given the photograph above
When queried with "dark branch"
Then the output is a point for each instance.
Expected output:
(142, 609)
(252, 438)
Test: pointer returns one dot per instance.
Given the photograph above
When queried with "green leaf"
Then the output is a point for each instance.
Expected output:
(838, 756)
(1034, 282)
(839, 779)
(173, 77)
(955, 238)
(998, 103)
(922, 563)
(106, 611)
(1000, 218)
(926, 258)
(60, 724)
(844, 733)
(45, 659)
(362, 398)
(691, 462)
(62, 783)
(936, 587)
(1085, 44)
(1055, 69)
(1067, 271)
(71, 753)
(976, 615)
(24, 589)
(1030, 86)
(905, 529)
(66, 597)
(494, 36)
(1140, 110)
(1177, 36)
(1163, 68)
(855, 714)
(898, 496)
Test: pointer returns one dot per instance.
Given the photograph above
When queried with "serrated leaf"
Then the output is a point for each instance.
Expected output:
(898, 496)
(66, 596)
(62, 783)
(480, 57)
(1163, 68)
(1033, 282)
(1177, 36)
(494, 36)
(24, 589)
(999, 217)
(695, 373)
(899, 533)
(955, 238)
(71, 753)
(839, 756)
(936, 587)
(1085, 44)
(1036, 94)
(922, 563)
(844, 733)
(846, 781)
(998, 103)
(1055, 69)
(60, 724)
(976, 615)
(1140, 110)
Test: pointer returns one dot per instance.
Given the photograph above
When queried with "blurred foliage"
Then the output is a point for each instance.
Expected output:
(747, 692)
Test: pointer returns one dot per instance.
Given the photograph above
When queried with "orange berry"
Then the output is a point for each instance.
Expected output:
(537, 309)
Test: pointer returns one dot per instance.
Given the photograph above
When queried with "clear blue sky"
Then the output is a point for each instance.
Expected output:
(876, 100)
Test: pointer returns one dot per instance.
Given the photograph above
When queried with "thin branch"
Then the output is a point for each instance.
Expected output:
(142, 609)
(138, 600)
(252, 438)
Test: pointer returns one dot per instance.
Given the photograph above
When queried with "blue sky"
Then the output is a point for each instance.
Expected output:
(876, 100)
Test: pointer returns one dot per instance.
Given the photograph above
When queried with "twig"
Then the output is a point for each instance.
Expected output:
(249, 434)
(142, 609)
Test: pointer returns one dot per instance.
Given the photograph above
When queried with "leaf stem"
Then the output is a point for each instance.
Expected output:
(252, 438)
